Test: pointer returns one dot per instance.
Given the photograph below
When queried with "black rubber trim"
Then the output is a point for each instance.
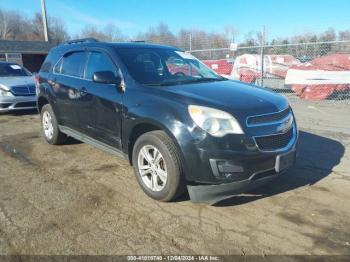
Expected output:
(213, 193)
(91, 141)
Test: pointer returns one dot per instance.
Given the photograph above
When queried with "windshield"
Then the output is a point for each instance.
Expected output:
(7, 70)
(161, 67)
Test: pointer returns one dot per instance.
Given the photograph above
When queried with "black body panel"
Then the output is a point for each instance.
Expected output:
(109, 115)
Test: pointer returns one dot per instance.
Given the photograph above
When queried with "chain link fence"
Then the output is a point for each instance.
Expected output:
(312, 71)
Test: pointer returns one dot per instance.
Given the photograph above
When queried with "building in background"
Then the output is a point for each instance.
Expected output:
(30, 54)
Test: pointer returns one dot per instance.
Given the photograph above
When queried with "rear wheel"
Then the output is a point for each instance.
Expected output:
(158, 167)
(50, 128)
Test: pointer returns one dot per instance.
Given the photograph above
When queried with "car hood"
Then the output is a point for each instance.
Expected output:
(240, 99)
(17, 80)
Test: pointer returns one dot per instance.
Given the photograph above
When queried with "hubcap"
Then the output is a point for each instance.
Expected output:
(152, 168)
(47, 125)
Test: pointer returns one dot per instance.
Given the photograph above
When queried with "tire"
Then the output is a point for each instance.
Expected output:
(174, 186)
(53, 136)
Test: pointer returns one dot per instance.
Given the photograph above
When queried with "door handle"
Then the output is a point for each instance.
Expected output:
(83, 91)
(52, 81)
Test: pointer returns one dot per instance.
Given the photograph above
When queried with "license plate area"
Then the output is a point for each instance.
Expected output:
(285, 161)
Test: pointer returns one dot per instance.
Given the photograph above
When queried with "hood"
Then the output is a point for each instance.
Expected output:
(17, 80)
(239, 99)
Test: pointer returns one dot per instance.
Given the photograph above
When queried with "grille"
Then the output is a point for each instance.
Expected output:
(5, 105)
(23, 90)
(263, 119)
(26, 104)
(274, 142)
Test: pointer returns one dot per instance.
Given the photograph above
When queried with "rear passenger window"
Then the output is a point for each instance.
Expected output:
(73, 64)
(49, 62)
(58, 66)
(98, 62)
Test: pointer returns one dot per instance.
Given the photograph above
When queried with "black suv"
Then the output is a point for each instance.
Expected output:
(177, 122)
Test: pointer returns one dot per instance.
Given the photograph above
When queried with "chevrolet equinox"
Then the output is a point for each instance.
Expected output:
(178, 123)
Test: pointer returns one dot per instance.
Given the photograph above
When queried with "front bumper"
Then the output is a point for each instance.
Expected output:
(215, 193)
(217, 171)
(10, 103)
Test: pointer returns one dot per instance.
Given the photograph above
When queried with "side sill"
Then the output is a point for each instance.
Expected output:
(93, 142)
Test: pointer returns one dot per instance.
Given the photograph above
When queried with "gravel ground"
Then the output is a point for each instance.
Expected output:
(74, 199)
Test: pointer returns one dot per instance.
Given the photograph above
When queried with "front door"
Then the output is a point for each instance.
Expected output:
(102, 108)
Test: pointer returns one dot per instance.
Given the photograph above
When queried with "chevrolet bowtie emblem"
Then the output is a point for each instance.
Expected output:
(285, 125)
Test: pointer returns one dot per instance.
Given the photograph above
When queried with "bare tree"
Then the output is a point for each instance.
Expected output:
(91, 31)
(344, 35)
(10, 24)
(160, 34)
(36, 28)
(184, 39)
(250, 39)
(113, 33)
(326, 36)
(15, 26)
(110, 33)
(231, 32)
(57, 30)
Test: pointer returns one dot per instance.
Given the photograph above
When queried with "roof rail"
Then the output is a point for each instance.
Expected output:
(79, 41)
(138, 41)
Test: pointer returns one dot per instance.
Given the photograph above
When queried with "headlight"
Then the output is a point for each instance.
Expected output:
(215, 122)
(4, 91)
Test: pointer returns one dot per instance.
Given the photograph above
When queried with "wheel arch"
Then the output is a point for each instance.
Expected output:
(41, 102)
(145, 127)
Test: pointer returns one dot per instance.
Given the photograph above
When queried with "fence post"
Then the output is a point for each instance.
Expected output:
(190, 42)
(262, 66)
(262, 57)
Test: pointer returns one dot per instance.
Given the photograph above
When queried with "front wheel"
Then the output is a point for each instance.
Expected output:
(158, 167)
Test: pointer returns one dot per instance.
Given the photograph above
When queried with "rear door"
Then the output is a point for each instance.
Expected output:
(102, 111)
(67, 83)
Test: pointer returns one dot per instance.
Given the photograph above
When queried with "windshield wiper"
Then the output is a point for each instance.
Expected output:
(189, 81)
(203, 79)
(164, 84)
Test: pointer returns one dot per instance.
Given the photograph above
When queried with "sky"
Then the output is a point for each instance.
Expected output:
(282, 18)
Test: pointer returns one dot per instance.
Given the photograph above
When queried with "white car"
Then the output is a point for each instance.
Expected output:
(17, 88)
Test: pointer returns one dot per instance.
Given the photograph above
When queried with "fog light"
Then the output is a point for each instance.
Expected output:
(225, 169)
(227, 166)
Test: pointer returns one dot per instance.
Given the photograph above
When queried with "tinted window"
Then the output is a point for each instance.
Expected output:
(58, 66)
(46, 67)
(13, 70)
(179, 67)
(98, 62)
(73, 64)
(163, 66)
(49, 62)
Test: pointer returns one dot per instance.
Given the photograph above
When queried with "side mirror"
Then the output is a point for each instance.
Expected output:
(106, 77)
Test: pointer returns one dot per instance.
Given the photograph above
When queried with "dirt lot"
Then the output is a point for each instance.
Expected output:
(74, 199)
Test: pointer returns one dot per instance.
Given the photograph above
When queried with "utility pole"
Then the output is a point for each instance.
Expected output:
(44, 18)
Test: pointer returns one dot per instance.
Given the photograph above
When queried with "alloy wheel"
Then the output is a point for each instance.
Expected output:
(152, 168)
(47, 125)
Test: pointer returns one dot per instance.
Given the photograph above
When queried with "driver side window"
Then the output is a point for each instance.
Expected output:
(96, 62)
